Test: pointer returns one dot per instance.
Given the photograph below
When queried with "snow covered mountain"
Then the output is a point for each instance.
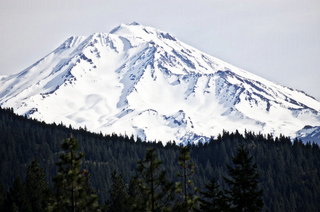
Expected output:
(309, 133)
(142, 81)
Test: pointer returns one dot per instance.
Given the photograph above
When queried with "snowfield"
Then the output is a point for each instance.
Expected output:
(142, 81)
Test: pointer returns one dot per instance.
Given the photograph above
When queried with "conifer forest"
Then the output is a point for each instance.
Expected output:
(53, 167)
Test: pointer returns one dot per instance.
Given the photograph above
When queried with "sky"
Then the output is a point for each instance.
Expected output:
(277, 40)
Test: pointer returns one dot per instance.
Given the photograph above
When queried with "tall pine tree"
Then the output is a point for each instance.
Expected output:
(212, 198)
(157, 192)
(118, 195)
(37, 187)
(72, 189)
(243, 193)
(186, 188)
(17, 198)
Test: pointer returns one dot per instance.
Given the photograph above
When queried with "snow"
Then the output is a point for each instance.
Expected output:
(142, 81)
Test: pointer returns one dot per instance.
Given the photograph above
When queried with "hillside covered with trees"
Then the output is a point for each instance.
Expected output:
(289, 174)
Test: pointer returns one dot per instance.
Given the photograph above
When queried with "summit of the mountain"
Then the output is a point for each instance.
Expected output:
(143, 81)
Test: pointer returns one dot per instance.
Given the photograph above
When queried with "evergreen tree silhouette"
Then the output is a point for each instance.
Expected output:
(212, 199)
(156, 191)
(71, 186)
(243, 194)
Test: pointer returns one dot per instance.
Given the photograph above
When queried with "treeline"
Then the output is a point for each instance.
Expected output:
(289, 172)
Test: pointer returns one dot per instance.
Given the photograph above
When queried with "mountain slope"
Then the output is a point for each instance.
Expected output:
(309, 133)
(142, 81)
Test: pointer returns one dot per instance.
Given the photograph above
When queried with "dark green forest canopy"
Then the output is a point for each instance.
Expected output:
(289, 171)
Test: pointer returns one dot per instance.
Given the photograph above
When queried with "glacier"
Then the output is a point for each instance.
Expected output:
(142, 81)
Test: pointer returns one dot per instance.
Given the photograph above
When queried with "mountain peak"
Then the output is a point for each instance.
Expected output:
(126, 27)
(134, 24)
(139, 31)
(142, 81)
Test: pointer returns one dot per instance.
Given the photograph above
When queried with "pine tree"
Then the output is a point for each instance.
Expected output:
(118, 195)
(71, 186)
(36, 186)
(156, 191)
(244, 194)
(135, 198)
(186, 188)
(17, 198)
(212, 198)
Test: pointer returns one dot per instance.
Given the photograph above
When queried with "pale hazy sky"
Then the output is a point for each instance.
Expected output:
(277, 40)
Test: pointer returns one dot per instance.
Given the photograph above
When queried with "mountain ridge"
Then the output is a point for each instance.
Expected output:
(143, 81)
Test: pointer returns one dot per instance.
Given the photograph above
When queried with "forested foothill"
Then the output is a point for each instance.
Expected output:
(115, 168)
